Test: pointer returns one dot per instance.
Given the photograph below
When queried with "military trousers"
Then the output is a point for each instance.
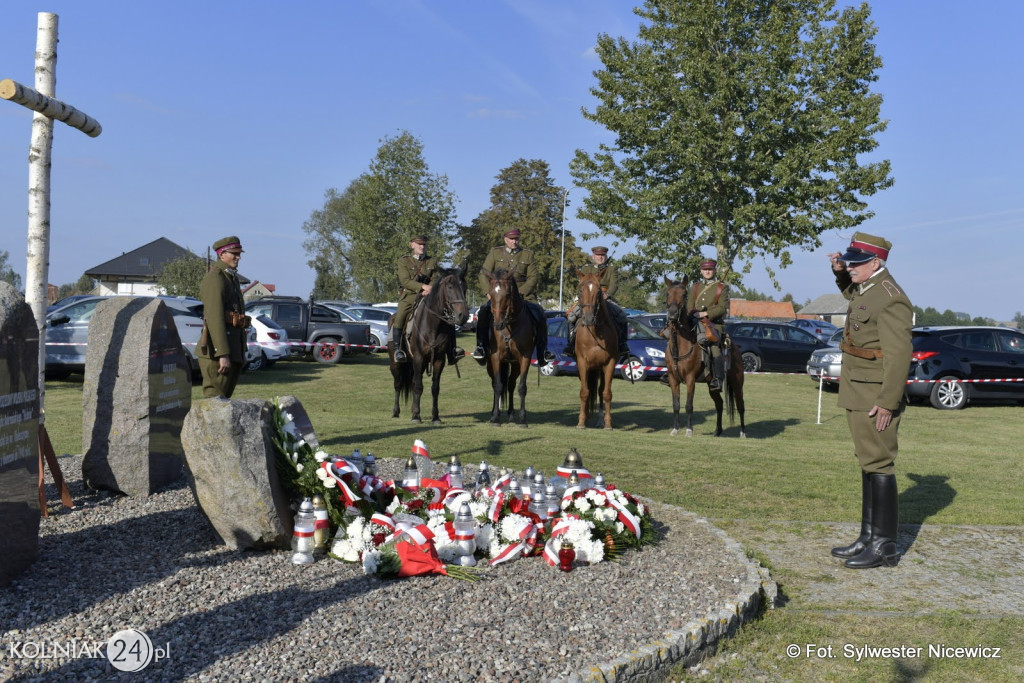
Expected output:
(876, 451)
(216, 384)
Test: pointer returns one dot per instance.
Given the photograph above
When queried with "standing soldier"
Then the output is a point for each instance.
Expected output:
(417, 275)
(609, 285)
(876, 358)
(710, 298)
(520, 261)
(222, 345)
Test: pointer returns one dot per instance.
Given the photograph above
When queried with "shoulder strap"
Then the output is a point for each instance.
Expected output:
(718, 293)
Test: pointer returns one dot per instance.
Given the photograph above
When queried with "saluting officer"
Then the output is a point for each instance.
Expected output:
(609, 285)
(710, 299)
(521, 261)
(876, 358)
(222, 345)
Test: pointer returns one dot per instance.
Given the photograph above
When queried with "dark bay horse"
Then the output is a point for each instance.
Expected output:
(512, 342)
(686, 364)
(433, 331)
(597, 345)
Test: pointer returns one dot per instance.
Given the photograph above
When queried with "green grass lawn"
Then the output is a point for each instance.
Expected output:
(961, 468)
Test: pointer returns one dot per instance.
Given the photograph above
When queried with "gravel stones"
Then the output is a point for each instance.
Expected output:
(155, 565)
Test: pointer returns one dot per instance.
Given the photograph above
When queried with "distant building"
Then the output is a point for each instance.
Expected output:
(257, 290)
(761, 310)
(135, 272)
(829, 307)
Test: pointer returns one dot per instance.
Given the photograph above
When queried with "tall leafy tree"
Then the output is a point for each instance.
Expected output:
(525, 197)
(84, 285)
(7, 273)
(739, 125)
(368, 226)
(182, 276)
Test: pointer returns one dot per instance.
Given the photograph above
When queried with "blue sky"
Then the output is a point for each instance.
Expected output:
(233, 118)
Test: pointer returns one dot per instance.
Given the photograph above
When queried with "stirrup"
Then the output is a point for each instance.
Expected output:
(400, 356)
(479, 353)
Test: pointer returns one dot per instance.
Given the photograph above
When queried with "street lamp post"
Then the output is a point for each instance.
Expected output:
(561, 267)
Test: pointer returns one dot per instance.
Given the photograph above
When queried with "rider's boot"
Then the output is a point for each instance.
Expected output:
(623, 335)
(718, 369)
(396, 344)
(570, 344)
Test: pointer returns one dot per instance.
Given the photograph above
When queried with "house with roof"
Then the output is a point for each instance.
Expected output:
(257, 290)
(829, 307)
(761, 310)
(135, 272)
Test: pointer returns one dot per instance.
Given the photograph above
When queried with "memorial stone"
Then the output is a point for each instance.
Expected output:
(137, 391)
(19, 435)
(232, 472)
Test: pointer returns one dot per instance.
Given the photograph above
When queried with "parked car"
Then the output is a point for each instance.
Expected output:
(646, 351)
(821, 329)
(827, 363)
(470, 324)
(372, 313)
(330, 335)
(378, 329)
(60, 303)
(271, 344)
(949, 354)
(773, 346)
(655, 321)
(67, 333)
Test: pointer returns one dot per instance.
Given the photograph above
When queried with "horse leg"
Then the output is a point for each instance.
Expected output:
(499, 390)
(606, 392)
(690, 388)
(716, 396)
(583, 371)
(417, 387)
(736, 384)
(397, 378)
(523, 375)
(435, 389)
(674, 386)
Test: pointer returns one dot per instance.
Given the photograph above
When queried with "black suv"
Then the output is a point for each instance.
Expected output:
(991, 358)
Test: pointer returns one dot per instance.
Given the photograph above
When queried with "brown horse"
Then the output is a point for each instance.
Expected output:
(433, 330)
(597, 344)
(512, 342)
(686, 365)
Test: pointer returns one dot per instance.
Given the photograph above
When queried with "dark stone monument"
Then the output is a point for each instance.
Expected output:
(136, 394)
(19, 435)
(232, 470)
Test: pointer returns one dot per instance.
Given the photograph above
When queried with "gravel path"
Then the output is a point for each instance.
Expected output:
(154, 564)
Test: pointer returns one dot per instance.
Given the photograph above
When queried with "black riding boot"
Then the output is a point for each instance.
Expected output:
(540, 328)
(718, 372)
(881, 548)
(858, 546)
(455, 352)
(484, 321)
(623, 334)
(709, 370)
(570, 344)
(396, 344)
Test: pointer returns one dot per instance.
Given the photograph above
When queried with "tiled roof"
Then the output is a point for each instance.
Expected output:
(741, 308)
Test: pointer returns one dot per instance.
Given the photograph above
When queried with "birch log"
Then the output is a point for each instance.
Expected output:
(39, 152)
(47, 106)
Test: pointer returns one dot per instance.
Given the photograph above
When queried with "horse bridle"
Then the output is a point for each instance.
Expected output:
(677, 321)
(447, 313)
(595, 305)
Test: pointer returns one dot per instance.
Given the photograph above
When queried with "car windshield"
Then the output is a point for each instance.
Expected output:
(639, 330)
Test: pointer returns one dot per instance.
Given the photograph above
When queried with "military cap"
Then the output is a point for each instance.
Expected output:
(864, 247)
(231, 243)
(708, 264)
(421, 239)
(600, 251)
(512, 233)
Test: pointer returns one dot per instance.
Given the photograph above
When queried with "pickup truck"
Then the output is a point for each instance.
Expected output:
(318, 325)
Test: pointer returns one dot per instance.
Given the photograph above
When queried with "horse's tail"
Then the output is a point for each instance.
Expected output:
(594, 379)
(730, 400)
(403, 382)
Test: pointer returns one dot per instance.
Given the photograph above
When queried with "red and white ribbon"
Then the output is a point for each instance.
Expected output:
(631, 521)
(383, 520)
(420, 448)
(527, 541)
(550, 548)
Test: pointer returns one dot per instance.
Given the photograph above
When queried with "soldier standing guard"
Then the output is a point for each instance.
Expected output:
(520, 261)
(710, 299)
(876, 358)
(222, 344)
(609, 285)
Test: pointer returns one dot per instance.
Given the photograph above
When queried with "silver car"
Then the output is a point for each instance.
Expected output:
(378, 328)
(824, 364)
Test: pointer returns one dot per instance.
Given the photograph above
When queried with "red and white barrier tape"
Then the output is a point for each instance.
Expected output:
(950, 380)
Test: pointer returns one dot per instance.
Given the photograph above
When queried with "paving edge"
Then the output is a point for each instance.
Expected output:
(700, 637)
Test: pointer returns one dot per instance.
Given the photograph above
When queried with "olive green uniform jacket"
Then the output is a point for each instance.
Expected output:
(879, 318)
(413, 273)
(703, 293)
(520, 260)
(609, 276)
(220, 292)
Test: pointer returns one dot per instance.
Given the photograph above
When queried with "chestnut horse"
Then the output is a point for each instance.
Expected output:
(686, 364)
(597, 349)
(511, 349)
(433, 329)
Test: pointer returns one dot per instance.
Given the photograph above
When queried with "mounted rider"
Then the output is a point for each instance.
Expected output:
(710, 301)
(521, 262)
(609, 285)
(417, 275)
